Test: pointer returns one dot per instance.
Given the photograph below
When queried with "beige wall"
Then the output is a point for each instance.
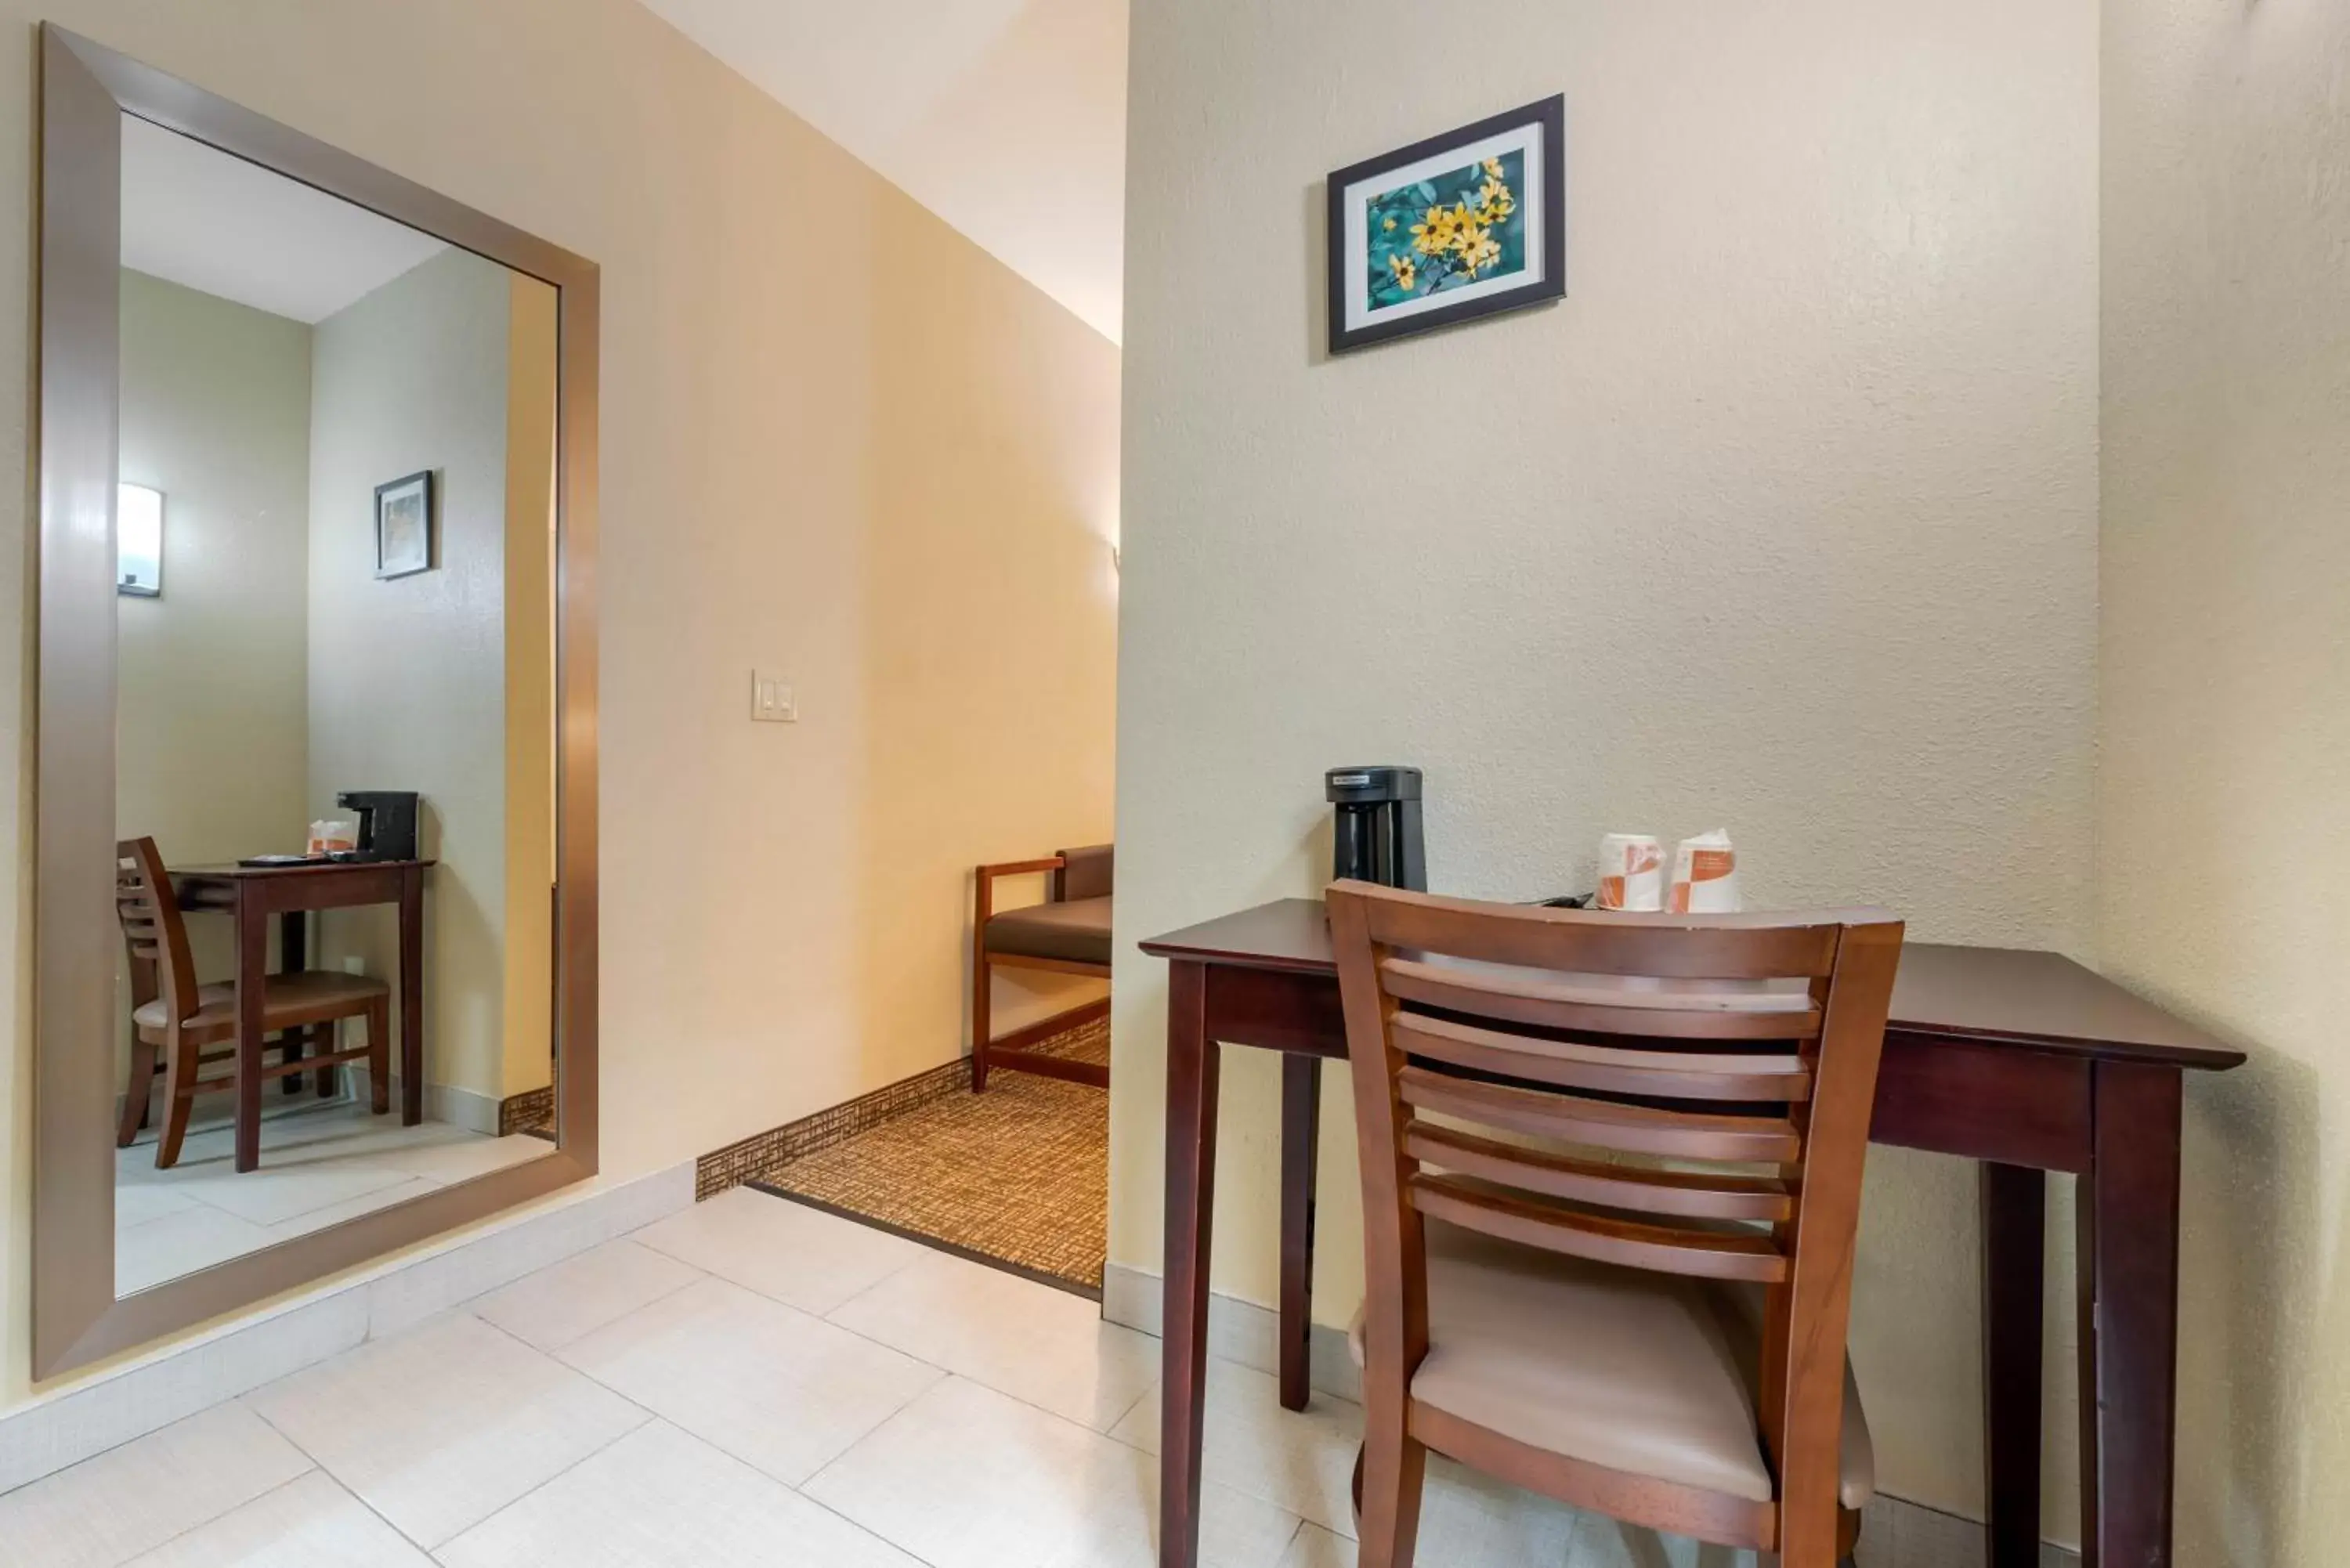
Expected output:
(2224, 805)
(1786, 520)
(848, 446)
(212, 717)
(408, 674)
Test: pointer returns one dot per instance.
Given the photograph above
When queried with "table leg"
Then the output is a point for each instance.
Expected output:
(2015, 1231)
(1301, 1137)
(412, 997)
(293, 958)
(251, 987)
(1192, 1072)
(2129, 1257)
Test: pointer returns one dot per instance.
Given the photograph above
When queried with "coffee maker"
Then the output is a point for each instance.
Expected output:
(1377, 834)
(386, 823)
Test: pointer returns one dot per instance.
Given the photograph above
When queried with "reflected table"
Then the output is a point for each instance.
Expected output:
(2023, 1061)
(249, 895)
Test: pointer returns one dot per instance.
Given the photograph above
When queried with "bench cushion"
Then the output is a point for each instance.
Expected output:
(1076, 931)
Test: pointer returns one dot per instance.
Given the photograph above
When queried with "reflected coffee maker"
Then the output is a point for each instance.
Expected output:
(387, 819)
(1377, 830)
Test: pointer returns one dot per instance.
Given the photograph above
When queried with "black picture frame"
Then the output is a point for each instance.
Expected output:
(407, 562)
(1546, 122)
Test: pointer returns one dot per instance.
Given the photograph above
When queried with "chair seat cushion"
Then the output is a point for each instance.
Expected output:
(1076, 931)
(294, 998)
(1652, 1375)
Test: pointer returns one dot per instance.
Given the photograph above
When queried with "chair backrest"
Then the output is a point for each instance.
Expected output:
(1684, 1094)
(1087, 873)
(152, 929)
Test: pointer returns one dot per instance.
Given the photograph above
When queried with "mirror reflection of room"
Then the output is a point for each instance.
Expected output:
(335, 717)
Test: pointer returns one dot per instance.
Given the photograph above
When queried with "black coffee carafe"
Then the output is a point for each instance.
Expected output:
(1378, 837)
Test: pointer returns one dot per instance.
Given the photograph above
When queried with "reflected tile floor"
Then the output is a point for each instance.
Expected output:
(756, 1383)
(320, 1164)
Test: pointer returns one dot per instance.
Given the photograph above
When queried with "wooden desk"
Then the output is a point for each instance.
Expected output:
(2025, 1060)
(250, 895)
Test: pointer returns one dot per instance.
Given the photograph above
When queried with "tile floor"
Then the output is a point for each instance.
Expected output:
(750, 1382)
(319, 1165)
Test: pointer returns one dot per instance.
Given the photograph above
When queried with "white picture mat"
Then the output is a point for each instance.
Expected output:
(1356, 204)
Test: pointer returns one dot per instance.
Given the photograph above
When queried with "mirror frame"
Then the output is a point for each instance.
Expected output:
(86, 89)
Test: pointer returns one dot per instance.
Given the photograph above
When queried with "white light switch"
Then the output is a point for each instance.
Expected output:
(771, 701)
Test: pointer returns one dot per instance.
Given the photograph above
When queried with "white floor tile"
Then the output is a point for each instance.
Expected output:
(461, 1159)
(556, 1305)
(968, 1478)
(136, 1205)
(1602, 1542)
(306, 1523)
(1302, 1461)
(800, 1256)
(105, 1510)
(1314, 1547)
(283, 1189)
(1018, 1337)
(774, 1387)
(196, 1237)
(399, 1191)
(659, 1498)
(438, 1427)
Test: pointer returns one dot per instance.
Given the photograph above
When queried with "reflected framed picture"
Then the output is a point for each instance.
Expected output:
(403, 526)
(138, 541)
(1461, 226)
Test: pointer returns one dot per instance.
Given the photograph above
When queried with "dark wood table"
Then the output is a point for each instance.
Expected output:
(2025, 1060)
(250, 895)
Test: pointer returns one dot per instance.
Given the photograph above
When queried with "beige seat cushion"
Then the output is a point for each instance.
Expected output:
(308, 995)
(1076, 931)
(1648, 1373)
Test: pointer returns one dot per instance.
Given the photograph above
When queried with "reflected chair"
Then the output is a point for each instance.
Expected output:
(1068, 933)
(1611, 1173)
(174, 1018)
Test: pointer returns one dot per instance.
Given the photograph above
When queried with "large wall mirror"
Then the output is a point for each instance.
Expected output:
(316, 891)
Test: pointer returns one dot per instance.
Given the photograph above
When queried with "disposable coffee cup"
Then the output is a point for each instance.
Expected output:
(1631, 871)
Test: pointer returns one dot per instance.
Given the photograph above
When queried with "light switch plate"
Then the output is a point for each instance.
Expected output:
(771, 700)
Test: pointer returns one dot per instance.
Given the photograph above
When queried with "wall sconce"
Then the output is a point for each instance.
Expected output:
(138, 541)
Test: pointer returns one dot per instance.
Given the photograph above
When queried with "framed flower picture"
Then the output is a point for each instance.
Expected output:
(1457, 226)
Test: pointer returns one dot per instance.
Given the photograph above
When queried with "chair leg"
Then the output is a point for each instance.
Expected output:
(982, 1025)
(1395, 1467)
(179, 1094)
(328, 1039)
(293, 1045)
(136, 1093)
(379, 1033)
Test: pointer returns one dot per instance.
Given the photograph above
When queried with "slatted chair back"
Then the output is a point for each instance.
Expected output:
(152, 929)
(1684, 1094)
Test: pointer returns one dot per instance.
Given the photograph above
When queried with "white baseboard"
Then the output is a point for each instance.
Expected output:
(1895, 1532)
(52, 1431)
(468, 1108)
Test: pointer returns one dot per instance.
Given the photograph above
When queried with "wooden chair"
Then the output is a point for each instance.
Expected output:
(175, 1017)
(1067, 934)
(1617, 1270)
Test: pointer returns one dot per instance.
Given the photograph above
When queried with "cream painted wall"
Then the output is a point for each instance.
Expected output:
(1786, 520)
(408, 675)
(2225, 843)
(857, 451)
(212, 713)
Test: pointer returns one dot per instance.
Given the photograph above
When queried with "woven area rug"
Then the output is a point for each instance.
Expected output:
(1017, 1176)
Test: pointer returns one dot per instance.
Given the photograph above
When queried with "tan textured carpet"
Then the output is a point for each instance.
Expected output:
(1019, 1174)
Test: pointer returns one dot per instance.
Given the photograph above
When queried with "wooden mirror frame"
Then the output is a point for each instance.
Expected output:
(85, 91)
